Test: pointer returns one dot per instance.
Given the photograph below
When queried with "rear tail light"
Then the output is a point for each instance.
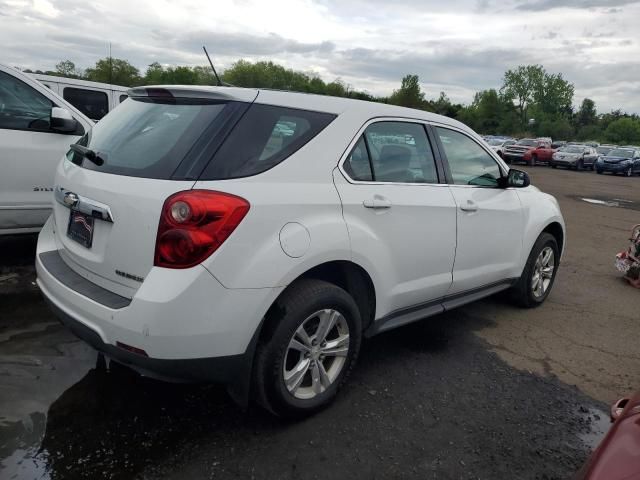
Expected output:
(193, 224)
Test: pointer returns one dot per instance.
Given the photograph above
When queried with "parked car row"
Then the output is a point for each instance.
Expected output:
(579, 156)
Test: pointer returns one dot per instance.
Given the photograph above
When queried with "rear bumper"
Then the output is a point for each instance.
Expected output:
(226, 369)
(187, 323)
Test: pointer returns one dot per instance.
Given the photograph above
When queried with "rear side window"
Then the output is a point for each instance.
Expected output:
(265, 136)
(398, 152)
(93, 104)
(151, 138)
(21, 106)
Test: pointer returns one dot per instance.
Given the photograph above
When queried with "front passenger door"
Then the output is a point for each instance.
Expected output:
(489, 218)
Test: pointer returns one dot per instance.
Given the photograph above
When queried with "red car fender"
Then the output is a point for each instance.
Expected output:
(618, 455)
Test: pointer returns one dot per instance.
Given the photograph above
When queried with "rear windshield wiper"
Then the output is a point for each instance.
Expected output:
(87, 153)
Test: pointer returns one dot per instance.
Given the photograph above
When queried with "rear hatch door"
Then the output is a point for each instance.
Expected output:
(109, 198)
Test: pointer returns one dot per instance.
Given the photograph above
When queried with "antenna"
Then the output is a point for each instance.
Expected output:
(220, 84)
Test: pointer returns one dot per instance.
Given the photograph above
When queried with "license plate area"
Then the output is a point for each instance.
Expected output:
(81, 228)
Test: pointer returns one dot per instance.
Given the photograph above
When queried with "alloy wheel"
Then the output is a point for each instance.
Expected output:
(316, 354)
(543, 272)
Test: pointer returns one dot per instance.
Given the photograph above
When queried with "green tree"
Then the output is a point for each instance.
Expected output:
(587, 114)
(520, 85)
(623, 131)
(115, 71)
(409, 94)
(554, 95)
(67, 68)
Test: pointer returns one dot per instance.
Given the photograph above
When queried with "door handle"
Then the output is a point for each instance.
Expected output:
(470, 206)
(377, 203)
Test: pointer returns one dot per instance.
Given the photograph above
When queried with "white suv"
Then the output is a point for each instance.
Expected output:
(254, 237)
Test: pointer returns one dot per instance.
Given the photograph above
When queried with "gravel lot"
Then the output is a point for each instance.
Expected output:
(487, 391)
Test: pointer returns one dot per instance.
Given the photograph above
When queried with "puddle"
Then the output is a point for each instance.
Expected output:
(599, 424)
(608, 202)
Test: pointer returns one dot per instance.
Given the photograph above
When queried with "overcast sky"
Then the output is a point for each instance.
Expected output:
(459, 46)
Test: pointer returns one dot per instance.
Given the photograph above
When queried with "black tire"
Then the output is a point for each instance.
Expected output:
(522, 292)
(580, 165)
(629, 172)
(554, 166)
(592, 167)
(599, 172)
(300, 301)
(534, 160)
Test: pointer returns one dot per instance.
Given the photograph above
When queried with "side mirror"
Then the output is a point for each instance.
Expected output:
(516, 179)
(62, 120)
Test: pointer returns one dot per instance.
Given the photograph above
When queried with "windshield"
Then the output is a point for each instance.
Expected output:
(527, 142)
(604, 150)
(619, 152)
(150, 138)
(496, 142)
(572, 149)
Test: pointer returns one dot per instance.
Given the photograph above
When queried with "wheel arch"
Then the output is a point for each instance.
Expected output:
(349, 276)
(555, 229)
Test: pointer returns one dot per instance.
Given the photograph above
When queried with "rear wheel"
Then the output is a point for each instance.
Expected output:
(536, 281)
(554, 166)
(599, 172)
(580, 164)
(629, 172)
(309, 348)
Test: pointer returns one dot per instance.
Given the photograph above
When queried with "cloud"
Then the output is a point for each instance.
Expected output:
(459, 46)
(542, 5)
(242, 43)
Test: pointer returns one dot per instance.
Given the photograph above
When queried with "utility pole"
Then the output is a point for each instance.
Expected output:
(110, 66)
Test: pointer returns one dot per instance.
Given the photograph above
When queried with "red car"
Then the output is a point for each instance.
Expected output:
(542, 153)
(618, 455)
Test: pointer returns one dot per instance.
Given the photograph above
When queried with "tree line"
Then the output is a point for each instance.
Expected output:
(530, 101)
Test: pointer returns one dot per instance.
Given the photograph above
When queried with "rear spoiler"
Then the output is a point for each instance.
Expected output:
(195, 92)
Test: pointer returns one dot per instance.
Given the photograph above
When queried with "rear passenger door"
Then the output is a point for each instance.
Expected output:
(489, 218)
(401, 219)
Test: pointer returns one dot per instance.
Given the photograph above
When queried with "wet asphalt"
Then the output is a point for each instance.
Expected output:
(431, 400)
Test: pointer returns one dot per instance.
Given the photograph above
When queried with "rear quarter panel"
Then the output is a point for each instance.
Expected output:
(298, 190)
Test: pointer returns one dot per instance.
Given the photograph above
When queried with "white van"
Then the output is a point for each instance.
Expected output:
(94, 99)
(36, 128)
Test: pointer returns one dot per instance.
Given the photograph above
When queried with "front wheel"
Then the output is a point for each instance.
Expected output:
(554, 166)
(311, 343)
(533, 160)
(539, 273)
(599, 172)
(629, 172)
(581, 165)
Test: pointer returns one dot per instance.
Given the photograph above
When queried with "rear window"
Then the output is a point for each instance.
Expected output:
(179, 138)
(151, 138)
(263, 138)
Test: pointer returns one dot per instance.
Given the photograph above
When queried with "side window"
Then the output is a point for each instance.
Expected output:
(357, 164)
(399, 152)
(123, 97)
(93, 104)
(21, 106)
(469, 163)
(265, 136)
